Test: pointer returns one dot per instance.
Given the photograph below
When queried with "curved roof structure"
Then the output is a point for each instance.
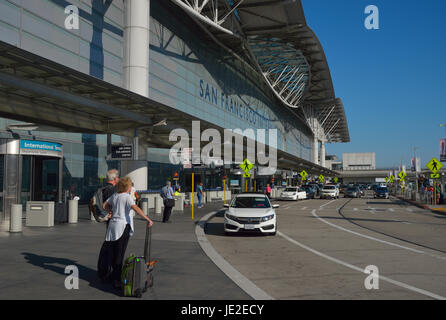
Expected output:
(272, 36)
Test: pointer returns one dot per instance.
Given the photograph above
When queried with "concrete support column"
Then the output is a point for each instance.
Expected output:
(315, 150)
(136, 79)
(136, 50)
(323, 154)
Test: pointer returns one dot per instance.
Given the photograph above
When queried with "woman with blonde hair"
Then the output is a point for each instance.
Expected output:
(120, 227)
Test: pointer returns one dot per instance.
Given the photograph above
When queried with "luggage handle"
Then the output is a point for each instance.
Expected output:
(148, 244)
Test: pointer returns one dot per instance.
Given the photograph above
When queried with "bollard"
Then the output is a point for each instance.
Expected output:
(145, 206)
(16, 218)
(158, 202)
(73, 206)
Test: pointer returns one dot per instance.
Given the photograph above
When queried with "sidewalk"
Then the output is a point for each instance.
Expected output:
(439, 208)
(33, 262)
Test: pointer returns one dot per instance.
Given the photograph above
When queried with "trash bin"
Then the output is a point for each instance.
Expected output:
(73, 207)
(16, 218)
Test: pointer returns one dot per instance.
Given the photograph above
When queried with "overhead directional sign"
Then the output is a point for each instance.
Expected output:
(402, 175)
(246, 166)
(321, 178)
(434, 165)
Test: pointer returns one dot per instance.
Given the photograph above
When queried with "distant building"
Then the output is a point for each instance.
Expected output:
(358, 161)
(332, 162)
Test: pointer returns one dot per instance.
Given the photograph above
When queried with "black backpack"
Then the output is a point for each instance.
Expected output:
(96, 206)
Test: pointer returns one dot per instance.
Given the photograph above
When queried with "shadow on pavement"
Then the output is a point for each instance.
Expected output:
(58, 265)
(386, 203)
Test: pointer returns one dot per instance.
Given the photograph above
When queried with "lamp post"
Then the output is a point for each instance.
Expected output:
(415, 164)
(443, 125)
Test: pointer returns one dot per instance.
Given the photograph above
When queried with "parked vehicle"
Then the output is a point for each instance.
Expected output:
(293, 193)
(316, 188)
(381, 192)
(311, 193)
(330, 191)
(353, 192)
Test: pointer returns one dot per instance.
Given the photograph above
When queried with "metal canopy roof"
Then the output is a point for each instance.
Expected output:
(272, 36)
(38, 90)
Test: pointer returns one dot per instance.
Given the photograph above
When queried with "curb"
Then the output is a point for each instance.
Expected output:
(422, 206)
(240, 280)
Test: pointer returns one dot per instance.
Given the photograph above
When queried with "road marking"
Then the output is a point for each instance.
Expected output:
(244, 283)
(304, 208)
(326, 204)
(363, 235)
(409, 209)
(286, 207)
(355, 209)
(392, 210)
(345, 264)
(375, 239)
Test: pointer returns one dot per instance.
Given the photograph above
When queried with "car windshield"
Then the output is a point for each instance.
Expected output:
(250, 202)
(329, 187)
(291, 189)
(352, 189)
(382, 190)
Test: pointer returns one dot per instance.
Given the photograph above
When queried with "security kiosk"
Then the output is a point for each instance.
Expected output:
(30, 170)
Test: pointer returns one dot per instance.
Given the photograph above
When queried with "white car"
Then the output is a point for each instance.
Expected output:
(250, 212)
(293, 193)
(330, 191)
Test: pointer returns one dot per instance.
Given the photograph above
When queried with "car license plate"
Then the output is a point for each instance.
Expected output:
(249, 226)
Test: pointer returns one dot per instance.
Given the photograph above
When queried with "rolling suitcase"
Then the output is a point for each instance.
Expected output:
(137, 274)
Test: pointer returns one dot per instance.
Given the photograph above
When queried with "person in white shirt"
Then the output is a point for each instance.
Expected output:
(120, 227)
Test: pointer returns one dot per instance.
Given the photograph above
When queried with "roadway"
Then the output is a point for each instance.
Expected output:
(323, 246)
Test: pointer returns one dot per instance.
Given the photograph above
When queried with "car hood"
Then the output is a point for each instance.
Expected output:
(250, 213)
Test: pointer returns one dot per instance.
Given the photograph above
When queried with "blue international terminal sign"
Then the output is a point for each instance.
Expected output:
(40, 148)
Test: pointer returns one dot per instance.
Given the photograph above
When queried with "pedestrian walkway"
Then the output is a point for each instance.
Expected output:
(34, 261)
(439, 208)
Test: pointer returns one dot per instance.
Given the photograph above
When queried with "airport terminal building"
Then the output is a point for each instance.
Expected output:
(80, 79)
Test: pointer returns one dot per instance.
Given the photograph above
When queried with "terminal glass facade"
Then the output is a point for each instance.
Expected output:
(186, 72)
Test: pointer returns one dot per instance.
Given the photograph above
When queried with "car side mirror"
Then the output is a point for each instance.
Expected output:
(275, 206)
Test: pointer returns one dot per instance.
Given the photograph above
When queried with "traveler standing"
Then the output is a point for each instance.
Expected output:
(200, 195)
(120, 227)
(168, 200)
(103, 193)
(268, 191)
(110, 186)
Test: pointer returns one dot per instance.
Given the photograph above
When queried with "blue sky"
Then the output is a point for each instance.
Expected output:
(392, 80)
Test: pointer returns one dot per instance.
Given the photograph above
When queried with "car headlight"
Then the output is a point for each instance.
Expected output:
(231, 217)
(267, 218)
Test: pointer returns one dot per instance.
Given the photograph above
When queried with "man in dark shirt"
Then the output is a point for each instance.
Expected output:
(110, 186)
